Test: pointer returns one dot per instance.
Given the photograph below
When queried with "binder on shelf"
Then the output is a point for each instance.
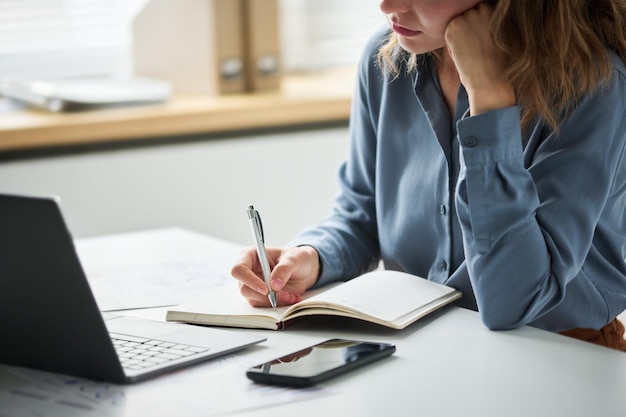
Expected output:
(198, 45)
(262, 45)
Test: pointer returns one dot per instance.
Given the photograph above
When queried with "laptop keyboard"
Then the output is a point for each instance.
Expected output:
(137, 353)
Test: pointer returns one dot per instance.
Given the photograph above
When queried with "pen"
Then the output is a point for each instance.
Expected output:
(259, 240)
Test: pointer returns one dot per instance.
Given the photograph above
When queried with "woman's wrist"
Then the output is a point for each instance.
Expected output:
(493, 98)
(315, 261)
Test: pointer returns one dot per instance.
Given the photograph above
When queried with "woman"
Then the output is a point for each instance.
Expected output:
(487, 153)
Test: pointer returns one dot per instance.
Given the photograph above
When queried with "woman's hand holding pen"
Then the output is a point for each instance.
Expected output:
(481, 64)
(294, 270)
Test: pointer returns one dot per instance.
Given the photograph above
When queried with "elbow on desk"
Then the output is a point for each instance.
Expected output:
(492, 324)
(501, 312)
(500, 319)
(506, 313)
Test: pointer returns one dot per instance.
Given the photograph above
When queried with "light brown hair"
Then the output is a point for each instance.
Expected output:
(556, 51)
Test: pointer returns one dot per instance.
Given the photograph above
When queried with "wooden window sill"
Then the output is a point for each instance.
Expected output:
(302, 99)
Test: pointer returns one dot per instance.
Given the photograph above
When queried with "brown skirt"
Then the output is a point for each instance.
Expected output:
(611, 335)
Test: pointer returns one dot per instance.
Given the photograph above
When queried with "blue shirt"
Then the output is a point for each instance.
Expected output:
(530, 227)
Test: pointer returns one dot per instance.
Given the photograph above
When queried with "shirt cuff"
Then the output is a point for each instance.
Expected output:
(491, 136)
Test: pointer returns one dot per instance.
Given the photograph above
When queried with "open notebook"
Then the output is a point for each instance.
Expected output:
(389, 298)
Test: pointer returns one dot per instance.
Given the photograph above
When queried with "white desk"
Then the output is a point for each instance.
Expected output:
(447, 364)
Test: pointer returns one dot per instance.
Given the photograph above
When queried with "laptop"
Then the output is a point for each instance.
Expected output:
(49, 319)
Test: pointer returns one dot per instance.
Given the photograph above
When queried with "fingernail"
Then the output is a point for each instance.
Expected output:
(277, 283)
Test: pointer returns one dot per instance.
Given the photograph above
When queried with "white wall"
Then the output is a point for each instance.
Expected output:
(203, 186)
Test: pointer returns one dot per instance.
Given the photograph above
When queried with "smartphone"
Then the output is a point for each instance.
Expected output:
(320, 362)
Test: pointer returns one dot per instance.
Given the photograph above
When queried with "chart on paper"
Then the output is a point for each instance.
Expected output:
(122, 287)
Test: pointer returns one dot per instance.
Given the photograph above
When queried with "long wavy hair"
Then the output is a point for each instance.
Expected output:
(556, 51)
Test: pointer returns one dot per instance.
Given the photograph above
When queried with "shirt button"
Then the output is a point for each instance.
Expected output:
(470, 141)
(442, 210)
(443, 265)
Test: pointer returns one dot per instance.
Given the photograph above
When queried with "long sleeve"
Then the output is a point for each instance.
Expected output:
(347, 241)
(543, 226)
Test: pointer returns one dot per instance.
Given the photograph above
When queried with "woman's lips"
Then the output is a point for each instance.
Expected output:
(400, 30)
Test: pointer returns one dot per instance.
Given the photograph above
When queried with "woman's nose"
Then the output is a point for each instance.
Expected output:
(394, 6)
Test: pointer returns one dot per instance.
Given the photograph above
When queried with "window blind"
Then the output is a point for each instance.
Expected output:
(80, 38)
(65, 38)
(318, 34)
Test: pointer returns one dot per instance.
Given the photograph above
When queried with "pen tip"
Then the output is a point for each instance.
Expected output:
(272, 298)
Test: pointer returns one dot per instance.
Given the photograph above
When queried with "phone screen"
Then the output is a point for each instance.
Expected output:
(319, 362)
